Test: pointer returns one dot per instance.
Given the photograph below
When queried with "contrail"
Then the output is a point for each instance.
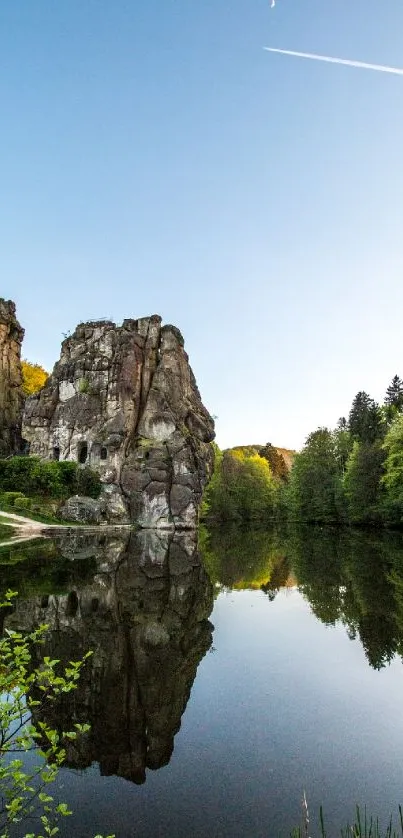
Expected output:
(379, 67)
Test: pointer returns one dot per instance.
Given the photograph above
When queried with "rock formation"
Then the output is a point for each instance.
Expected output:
(124, 400)
(11, 395)
(145, 616)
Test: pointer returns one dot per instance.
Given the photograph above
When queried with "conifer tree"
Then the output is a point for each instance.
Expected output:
(394, 393)
(365, 420)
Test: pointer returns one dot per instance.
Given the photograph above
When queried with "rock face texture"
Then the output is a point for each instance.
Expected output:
(144, 613)
(124, 400)
(11, 395)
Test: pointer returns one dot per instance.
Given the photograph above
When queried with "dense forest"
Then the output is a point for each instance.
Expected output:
(352, 474)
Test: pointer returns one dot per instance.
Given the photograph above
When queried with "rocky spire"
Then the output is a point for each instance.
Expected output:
(124, 400)
(11, 395)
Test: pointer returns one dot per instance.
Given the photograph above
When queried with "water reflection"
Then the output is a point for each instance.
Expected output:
(142, 605)
(355, 577)
(350, 576)
(142, 601)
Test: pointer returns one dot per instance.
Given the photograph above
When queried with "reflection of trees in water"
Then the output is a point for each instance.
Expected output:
(356, 577)
(144, 613)
(347, 575)
(245, 558)
(44, 567)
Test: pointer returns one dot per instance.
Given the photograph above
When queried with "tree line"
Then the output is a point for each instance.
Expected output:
(351, 474)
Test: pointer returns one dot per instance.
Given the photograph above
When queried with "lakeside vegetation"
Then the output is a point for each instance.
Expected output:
(363, 826)
(36, 488)
(352, 474)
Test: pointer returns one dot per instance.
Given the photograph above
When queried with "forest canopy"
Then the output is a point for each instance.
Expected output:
(352, 474)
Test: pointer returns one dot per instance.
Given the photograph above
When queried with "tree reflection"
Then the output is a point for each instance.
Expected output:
(350, 576)
(355, 577)
(240, 558)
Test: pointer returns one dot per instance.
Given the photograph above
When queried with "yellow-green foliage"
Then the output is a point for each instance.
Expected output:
(242, 558)
(33, 377)
(242, 487)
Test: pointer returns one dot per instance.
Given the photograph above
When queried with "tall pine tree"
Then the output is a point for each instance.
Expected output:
(394, 393)
(365, 420)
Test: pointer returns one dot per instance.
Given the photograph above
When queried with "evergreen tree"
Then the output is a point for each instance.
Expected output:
(394, 393)
(365, 420)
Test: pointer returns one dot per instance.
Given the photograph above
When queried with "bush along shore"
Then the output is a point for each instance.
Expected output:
(36, 488)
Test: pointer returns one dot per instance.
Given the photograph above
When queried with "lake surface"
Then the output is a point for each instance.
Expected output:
(227, 677)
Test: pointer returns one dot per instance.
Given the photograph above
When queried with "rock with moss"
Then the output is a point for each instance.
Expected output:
(124, 400)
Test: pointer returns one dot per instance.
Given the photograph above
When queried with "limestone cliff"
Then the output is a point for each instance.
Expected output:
(11, 395)
(124, 400)
(145, 616)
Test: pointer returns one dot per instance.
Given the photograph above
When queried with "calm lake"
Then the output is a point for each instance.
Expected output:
(227, 677)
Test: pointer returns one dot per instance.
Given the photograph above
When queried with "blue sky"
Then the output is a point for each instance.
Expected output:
(154, 159)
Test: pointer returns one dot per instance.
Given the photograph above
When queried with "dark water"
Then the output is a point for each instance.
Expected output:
(226, 677)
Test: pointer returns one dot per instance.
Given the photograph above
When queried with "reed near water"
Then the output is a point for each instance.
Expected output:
(364, 826)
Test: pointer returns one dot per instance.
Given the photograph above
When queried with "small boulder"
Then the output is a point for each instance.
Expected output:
(83, 510)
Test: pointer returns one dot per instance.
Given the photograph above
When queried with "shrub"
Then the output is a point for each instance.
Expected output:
(21, 476)
(88, 483)
(24, 788)
(84, 385)
(10, 497)
(22, 503)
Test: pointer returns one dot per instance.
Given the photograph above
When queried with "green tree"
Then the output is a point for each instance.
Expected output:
(365, 420)
(394, 393)
(343, 444)
(315, 492)
(393, 476)
(394, 399)
(242, 488)
(24, 691)
(363, 483)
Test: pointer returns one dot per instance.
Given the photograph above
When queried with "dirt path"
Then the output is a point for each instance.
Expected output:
(27, 528)
(21, 521)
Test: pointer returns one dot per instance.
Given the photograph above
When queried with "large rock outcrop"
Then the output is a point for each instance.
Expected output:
(11, 395)
(124, 400)
(145, 616)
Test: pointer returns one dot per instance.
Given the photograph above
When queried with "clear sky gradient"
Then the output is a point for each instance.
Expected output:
(155, 159)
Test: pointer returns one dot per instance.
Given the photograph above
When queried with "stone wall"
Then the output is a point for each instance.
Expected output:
(11, 395)
(124, 400)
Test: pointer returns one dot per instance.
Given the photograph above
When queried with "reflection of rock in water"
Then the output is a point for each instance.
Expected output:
(145, 616)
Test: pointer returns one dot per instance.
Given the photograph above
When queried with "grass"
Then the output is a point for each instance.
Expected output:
(4, 519)
(5, 532)
(364, 826)
(27, 513)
